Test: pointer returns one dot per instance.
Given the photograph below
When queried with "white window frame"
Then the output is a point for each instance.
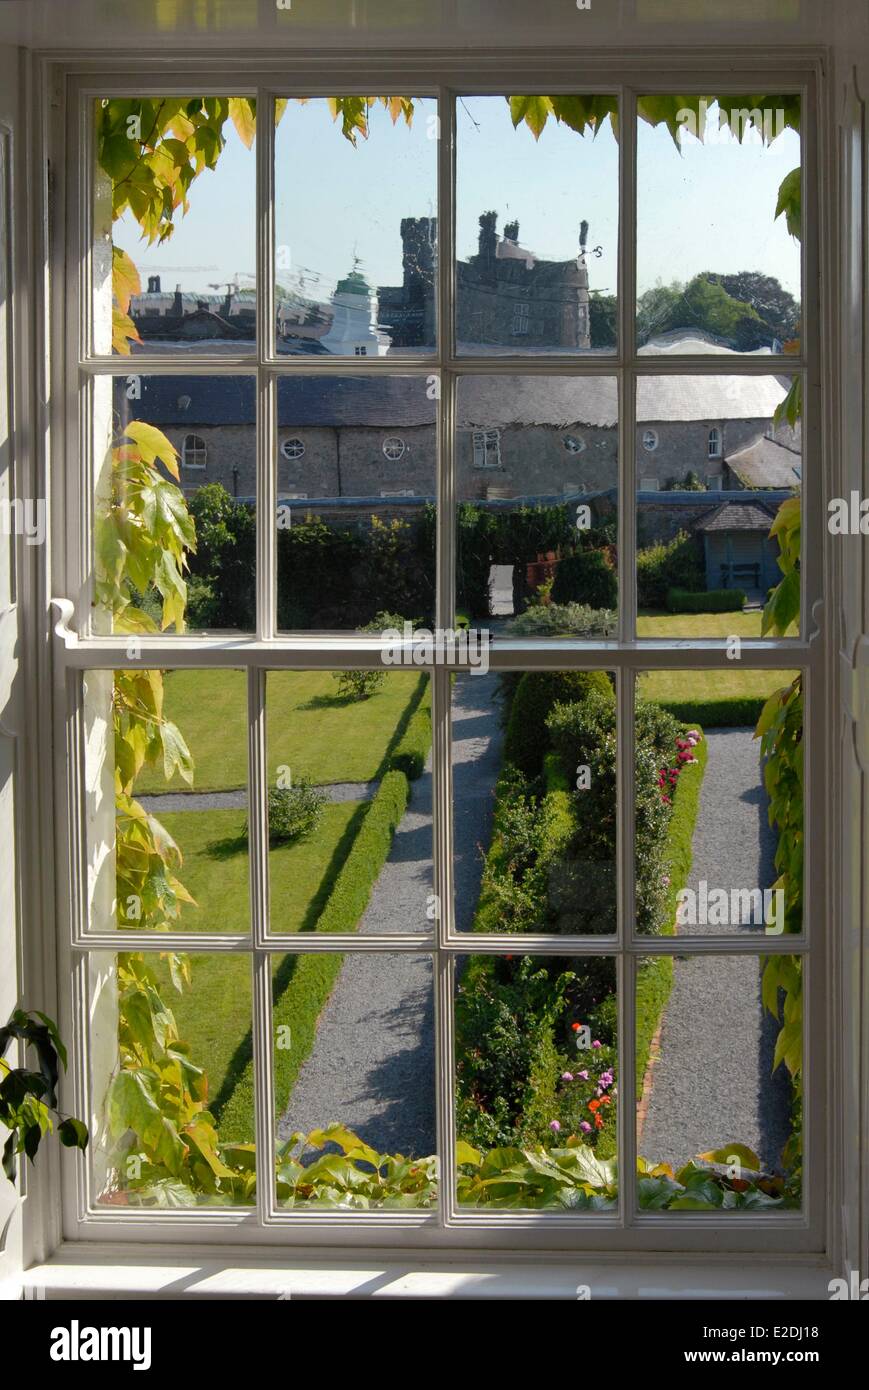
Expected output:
(650, 440)
(194, 451)
(521, 318)
(393, 448)
(292, 449)
(78, 649)
(487, 448)
(713, 443)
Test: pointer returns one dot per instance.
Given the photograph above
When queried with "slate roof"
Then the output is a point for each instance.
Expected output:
(484, 402)
(766, 463)
(736, 516)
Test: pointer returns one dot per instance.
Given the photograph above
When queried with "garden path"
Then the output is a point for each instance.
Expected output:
(372, 1065)
(712, 1082)
(237, 800)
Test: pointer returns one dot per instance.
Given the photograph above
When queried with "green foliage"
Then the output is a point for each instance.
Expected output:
(488, 536)
(564, 620)
(536, 695)
(727, 712)
(708, 601)
(586, 577)
(295, 811)
(675, 564)
(358, 685)
(413, 746)
(584, 734)
(221, 589)
(28, 1099)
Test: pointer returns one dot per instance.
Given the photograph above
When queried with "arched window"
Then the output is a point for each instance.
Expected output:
(714, 447)
(194, 451)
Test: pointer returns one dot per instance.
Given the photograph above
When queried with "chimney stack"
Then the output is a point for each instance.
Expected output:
(153, 284)
(178, 303)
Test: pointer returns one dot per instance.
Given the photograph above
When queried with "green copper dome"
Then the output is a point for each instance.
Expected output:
(354, 283)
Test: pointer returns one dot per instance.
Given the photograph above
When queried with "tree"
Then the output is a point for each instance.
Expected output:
(777, 310)
(603, 320)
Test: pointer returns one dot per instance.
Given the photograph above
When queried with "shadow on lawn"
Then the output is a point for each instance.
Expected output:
(286, 970)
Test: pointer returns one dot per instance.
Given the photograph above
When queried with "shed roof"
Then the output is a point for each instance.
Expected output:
(736, 516)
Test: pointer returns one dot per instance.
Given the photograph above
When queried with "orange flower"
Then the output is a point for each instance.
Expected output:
(605, 1100)
(598, 1122)
(594, 1105)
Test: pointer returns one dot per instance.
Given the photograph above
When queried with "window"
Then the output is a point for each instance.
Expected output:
(360, 350)
(292, 448)
(322, 788)
(393, 448)
(521, 316)
(714, 445)
(194, 452)
(715, 481)
(487, 448)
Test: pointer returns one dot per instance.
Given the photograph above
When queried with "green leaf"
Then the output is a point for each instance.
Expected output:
(790, 201)
(534, 111)
(73, 1133)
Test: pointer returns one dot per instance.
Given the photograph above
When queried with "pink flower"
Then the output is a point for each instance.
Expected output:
(665, 879)
(596, 1043)
(554, 1126)
(567, 1076)
(585, 1127)
(583, 1075)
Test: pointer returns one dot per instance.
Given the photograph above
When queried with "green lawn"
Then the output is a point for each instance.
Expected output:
(214, 1014)
(309, 729)
(737, 678)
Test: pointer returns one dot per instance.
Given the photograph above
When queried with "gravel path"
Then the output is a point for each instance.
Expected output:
(372, 1066)
(712, 1082)
(237, 800)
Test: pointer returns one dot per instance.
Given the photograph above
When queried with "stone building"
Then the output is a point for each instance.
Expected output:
(518, 436)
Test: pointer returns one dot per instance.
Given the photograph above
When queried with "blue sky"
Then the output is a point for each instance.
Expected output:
(710, 208)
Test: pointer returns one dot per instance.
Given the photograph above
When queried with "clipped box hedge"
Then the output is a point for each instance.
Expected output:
(707, 601)
(412, 750)
(726, 712)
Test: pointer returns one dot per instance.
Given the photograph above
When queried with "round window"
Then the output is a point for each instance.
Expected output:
(292, 448)
(393, 447)
(574, 443)
(650, 440)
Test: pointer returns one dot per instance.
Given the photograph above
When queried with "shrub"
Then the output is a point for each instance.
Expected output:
(358, 685)
(674, 564)
(586, 577)
(294, 811)
(585, 734)
(410, 755)
(536, 694)
(564, 620)
(727, 712)
(708, 601)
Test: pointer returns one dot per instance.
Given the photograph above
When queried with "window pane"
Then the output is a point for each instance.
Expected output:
(544, 281)
(537, 1070)
(717, 809)
(714, 467)
(183, 274)
(354, 1066)
(355, 257)
(167, 810)
(349, 801)
(713, 1103)
(356, 501)
(534, 801)
(717, 269)
(175, 523)
(537, 474)
(168, 1038)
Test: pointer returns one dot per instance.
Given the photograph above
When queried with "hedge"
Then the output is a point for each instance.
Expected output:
(535, 696)
(412, 750)
(666, 565)
(725, 712)
(302, 984)
(586, 577)
(708, 601)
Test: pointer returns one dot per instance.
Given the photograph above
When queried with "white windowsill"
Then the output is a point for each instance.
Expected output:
(72, 1273)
